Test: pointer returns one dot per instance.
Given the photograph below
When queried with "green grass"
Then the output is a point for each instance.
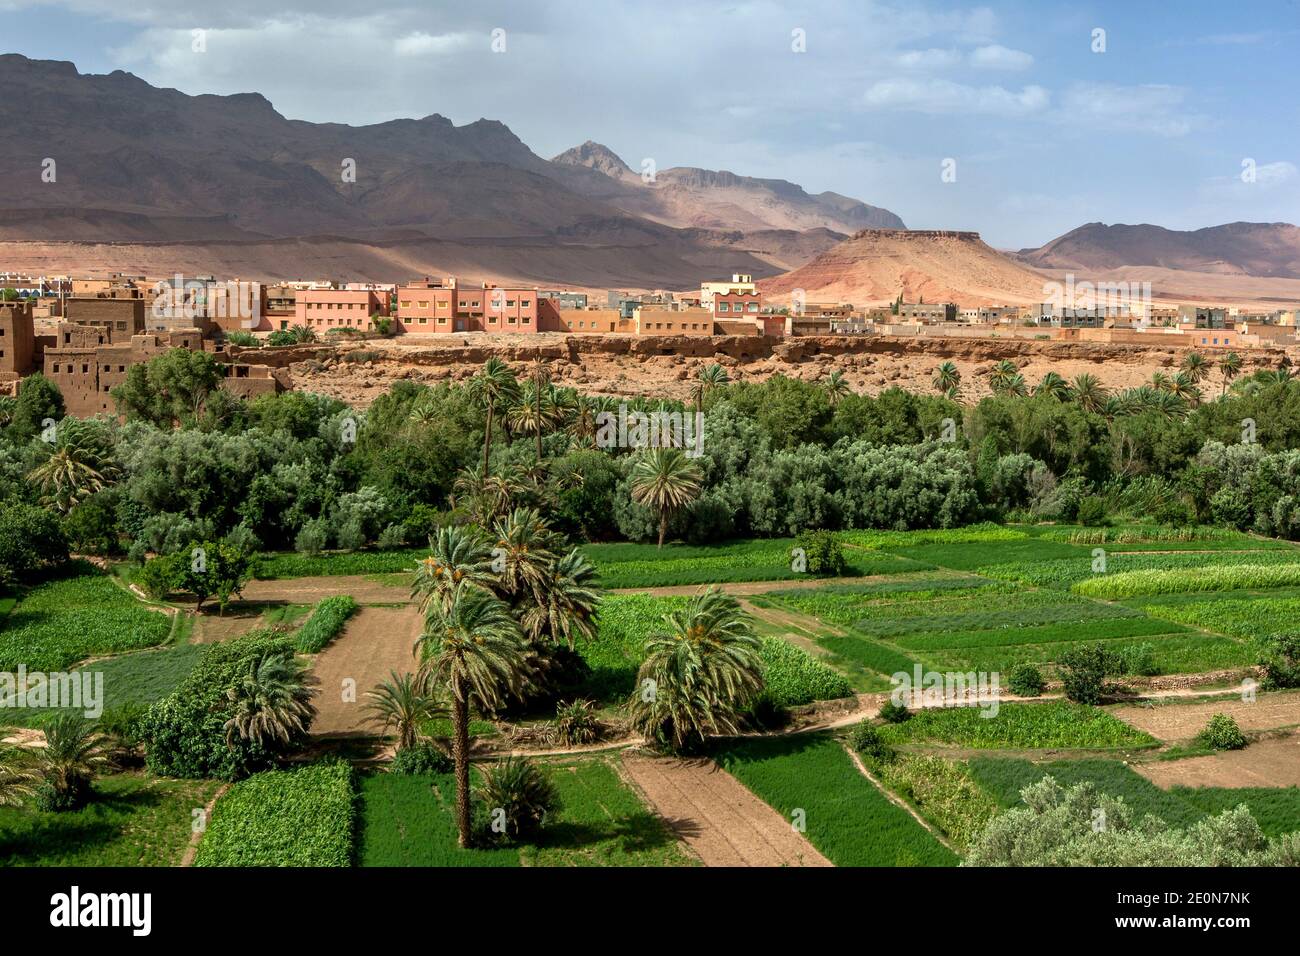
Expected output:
(1232, 577)
(410, 821)
(133, 820)
(1065, 573)
(60, 622)
(644, 566)
(792, 676)
(847, 818)
(291, 565)
(1244, 618)
(1053, 723)
(1101, 629)
(1275, 809)
(130, 680)
(300, 817)
(325, 623)
(971, 534)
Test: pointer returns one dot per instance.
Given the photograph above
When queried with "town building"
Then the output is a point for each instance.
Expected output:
(17, 339)
(933, 313)
(329, 308)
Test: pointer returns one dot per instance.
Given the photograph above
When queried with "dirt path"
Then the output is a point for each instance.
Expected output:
(1269, 763)
(196, 836)
(895, 799)
(375, 641)
(364, 588)
(1184, 721)
(755, 587)
(713, 813)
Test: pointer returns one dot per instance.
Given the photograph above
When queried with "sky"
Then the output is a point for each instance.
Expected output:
(1021, 120)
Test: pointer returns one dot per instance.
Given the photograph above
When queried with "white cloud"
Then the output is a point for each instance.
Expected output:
(933, 59)
(1151, 108)
(997, 57)
(947, 97)
(421, 44)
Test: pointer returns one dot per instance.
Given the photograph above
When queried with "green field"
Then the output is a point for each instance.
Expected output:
(1050, 724)
(132, 820)
(850, 821)
(57, 623)
(410, 821)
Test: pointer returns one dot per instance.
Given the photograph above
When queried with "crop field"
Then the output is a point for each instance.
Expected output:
(1050, 724)
(409, 821)
(850, 821)
(57, 623)
(290, 565)
(133, 820)
(300, 817)
(1276, 809)
(645, 566)
(131, 681)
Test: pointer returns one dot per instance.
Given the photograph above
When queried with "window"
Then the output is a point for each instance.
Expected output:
(121, 368)
(724, 307)
(753, 307)
(424, 305)
(85, 369)
(424, 320)
(406, 303)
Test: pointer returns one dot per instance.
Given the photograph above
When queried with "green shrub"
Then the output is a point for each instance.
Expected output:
(1137, 659)
(302, 817)
(325, 623)
(1092, 511)
(576, 723)
(1280, 660)
(792, 676)
(866, 739)
(1222, 733)
(1083, 671)
(185, 733)
(516, 796)
(892, 713)
(424, 757)
(823, 552)
(1025, 680)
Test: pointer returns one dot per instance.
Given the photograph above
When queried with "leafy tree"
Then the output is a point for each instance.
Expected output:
(39, 401)
(30, 539)
(203, 569)
(168, 389)
(1083, 671)
(472, 650)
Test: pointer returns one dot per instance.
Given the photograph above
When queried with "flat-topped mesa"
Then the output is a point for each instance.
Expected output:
(915, 234)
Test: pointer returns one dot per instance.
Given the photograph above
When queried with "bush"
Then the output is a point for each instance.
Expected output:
(575, 723)
(516, 796)
(1222, 733)
(50, 800)
(185, 732)
(766, 713)
(1083, 671)
(1092, 511)
(30, 539)
(313, 538)
(424, 757)
(823, 552)
(1280, 660)
(1026, 680)
(243, 338)
(325, 623)
(866, 739)
(892, 713)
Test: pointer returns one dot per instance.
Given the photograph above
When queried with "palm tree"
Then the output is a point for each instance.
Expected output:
(837, 386)
(524, 555)
(1183, 385)
(1197, 366)
(1160, 381)
(73, 753)
(536, 411)
(456, 554)
(1229, 368)
(699, 674)
(16, 777)
(541, 378)
(401, 703)
(664, 479)
(568, 599)
(272, 702)
(303, 333)
(710, 377)
(947, 379)
(1015, 385)
(1002, 375)
(1089, 392)
(70, 475)
(494, 387)
(472, 648)
(582, 424)
(1054, 385)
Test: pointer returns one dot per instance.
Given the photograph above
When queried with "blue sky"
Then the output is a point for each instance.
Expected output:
(1046, 134)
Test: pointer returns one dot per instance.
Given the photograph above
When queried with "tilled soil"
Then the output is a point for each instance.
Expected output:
(375, 641)
(1269, 763)
(716, 816)
(1171, 722)
(363, 588)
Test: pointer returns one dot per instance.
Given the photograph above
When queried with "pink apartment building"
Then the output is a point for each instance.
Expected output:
(325, 309)
(446, 305)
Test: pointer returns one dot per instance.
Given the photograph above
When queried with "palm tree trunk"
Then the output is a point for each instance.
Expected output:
(487, 440)
(460, 754)
(537, 419)
(663, 527)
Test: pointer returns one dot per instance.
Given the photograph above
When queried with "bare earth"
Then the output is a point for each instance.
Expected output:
(716, 816)
(1184, 721)
(364, 590)
(1269, 763)
(237, 621)
(375, 641)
